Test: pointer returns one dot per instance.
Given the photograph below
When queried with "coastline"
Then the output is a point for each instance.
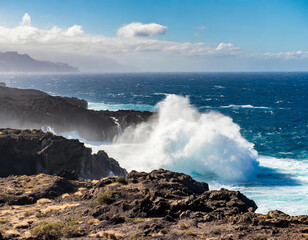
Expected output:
(170, 207)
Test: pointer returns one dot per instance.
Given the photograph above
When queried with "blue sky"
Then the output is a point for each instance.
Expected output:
(255, 27)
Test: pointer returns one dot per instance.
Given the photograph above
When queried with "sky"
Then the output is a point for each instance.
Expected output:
(160, 35)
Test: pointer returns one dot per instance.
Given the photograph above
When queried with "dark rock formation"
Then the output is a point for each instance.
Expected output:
(33, 151)
(157, 205)
(14, 62)
(27, 109)
(162, 193)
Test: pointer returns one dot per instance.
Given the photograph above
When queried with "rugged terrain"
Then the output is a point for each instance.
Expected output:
(156, 205)
(33, 151)
(27, 109)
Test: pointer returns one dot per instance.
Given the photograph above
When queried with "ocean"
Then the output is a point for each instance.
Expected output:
(241, 131)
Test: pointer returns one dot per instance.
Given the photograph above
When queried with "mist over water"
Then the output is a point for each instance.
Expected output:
(209, 146)
(181, 139)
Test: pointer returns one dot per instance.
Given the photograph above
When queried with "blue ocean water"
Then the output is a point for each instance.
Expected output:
(270, 108)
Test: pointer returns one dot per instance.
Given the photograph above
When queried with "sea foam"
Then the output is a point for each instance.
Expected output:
(181, 139)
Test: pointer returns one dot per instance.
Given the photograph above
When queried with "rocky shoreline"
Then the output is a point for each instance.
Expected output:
(156, 205)
(46, 190)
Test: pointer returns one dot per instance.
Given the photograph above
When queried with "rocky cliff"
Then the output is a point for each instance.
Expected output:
(27, 109)
(33, 151)
(156, 205)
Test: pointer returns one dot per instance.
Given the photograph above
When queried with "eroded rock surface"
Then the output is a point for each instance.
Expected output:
(33, 151)
(156, 205)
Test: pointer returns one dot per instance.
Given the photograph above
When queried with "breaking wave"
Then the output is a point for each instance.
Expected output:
(182, 139)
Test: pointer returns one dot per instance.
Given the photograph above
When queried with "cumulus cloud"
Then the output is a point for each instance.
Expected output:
(128, 47)
(138, 29)
(26, 20)
(74, 39)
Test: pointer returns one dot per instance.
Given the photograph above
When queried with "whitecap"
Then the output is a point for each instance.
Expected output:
(244, 106)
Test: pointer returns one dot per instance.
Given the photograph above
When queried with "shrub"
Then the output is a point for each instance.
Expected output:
(28, 214)
(120, 179)
(40, 215)
(71, 229)
(48, 230)
(105, 198)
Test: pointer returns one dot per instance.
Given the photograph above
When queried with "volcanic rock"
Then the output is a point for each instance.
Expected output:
(33, 151)
(32, 109)
(156, 205)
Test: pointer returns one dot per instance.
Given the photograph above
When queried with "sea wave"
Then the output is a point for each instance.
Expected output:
(244, 106)
(209, 147)
(185, 140)
(114, 107)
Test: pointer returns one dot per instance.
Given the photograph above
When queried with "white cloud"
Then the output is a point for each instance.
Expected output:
(74, 39)
(126, 48)
(227, 48)
(292, 55)
(201, 27)
(26, 20)
(138, 29)
(74, 31)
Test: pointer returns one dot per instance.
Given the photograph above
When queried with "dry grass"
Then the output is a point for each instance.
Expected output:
(138, 220)
(190, 233)
(182, 226)
(139, 237)
(28, 213)
(92, 221)
(44, 201)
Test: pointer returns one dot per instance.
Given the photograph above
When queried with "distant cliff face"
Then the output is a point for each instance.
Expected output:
(26, 108)
(14, 62)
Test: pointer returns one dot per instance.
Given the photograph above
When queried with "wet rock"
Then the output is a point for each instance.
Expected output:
(27, 109)
(33, 151)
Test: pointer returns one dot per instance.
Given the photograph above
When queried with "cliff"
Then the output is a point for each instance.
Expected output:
(27, 109)
(156, 205)
(14, 62)
(33, 151)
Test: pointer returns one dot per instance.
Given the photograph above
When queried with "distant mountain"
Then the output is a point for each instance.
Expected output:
(14, 62)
